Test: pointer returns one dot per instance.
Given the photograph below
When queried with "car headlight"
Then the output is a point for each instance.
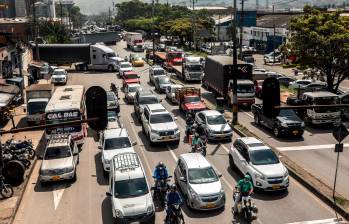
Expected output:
(69, 169)
(221, 192)
(284, 125)
(193, 194)
(286, 174)
(259, 176)
(302, 124)
(118, 214)
(44, 172)
(150, 209)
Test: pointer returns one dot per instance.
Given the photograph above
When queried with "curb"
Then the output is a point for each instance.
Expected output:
(26, 181)
(306, 183)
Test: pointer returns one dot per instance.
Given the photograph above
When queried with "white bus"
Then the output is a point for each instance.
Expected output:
(67, 104)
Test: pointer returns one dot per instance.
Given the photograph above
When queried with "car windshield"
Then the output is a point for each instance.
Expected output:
(148, 100)
(36, 107)
(132, 89)
(202, 175)
(248, 88)
(130, 188)
(131, 76)
(110, 96)
(287, 113)
(160, 118)
(191, 99)
(125, 65)
(117, 143)
(58, 72)
(263, 157)
(159, 72)
(57, 152)
(216, 119)
(194, 68)
(111, 55)
(111, 116)
(164, 80)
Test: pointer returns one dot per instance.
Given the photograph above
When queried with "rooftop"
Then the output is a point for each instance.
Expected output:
(115, 133)
(280, 21)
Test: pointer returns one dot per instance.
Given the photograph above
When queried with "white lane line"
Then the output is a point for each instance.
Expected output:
(58, 194)
(225, 148)
(323, 221)
(248, 114)
(308, 147)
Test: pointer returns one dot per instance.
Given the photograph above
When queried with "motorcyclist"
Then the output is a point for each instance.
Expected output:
(172, 197)
(245, 188)
(189, 119)
(196, 142)
(160, 172)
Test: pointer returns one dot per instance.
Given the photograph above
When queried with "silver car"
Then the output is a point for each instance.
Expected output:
(171, 92)
(60, 159)
(214, 124)
(199, 182)
(130, 91)
(161, 83)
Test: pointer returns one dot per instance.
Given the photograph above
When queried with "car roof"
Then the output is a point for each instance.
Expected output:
(59, 69)
(115, 133)
(125, 62)
(195, 160)
(157, 68)
(133, 84)
(253, 143)
(57, 140)
(210, 112)
(306, 80)
(127, 166)
(157, 107)
(130, 73)
(176, 86)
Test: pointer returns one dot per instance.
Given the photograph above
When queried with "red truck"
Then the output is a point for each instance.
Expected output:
(169, 59)
(130, 77)
(189, 100)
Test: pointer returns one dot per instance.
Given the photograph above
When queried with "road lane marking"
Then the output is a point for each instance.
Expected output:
(308, 147)
(247, 113)
(58, 194)
(323, 221)
(225, 148)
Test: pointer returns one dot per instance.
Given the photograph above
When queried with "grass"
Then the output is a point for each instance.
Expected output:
(287, 89)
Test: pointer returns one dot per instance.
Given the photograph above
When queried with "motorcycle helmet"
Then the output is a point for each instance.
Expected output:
(173, 187)
(247, 177)
(161, 164)
(196, 135)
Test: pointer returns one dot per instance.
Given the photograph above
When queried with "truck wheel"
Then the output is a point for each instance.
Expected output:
(276, 131)
(257, 120)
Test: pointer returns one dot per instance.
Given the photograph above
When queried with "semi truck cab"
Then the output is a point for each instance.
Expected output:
(102, 58)
(245, 92)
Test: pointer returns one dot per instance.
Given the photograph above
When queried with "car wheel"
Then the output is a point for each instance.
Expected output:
(143, 130)
(231, 163)
(257, 120)
(276, 131)
(75, 177)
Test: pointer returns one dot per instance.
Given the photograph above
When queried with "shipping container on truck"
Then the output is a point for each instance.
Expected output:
(219, 74)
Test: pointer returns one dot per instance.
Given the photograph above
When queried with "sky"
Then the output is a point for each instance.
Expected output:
(98, 6)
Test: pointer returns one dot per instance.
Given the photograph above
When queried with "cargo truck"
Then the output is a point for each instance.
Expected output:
(84, 56)
(189, 100)
(37, 97)
(219, 73)
(169, 59)
(190, 70)
(134, 41)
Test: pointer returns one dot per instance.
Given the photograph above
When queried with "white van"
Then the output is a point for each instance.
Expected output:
(129, 190)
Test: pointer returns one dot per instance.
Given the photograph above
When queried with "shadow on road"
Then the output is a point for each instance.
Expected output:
(155, 147)
(101, 180)
(107, 216)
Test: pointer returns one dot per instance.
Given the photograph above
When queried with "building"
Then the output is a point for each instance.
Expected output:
(42, 9)
(21, 8)
(7, 9)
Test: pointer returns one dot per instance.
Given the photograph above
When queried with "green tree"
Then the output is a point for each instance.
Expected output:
(321, 40)
(54, 32)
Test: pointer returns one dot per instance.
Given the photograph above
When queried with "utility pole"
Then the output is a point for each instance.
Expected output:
(194, 23)
(235, 70)
(273, 39)
(153, 28)
(219, 27)
(241, 26)
(35, 32)
(61, 6)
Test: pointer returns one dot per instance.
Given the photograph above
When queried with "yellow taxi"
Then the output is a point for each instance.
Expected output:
(137, 61)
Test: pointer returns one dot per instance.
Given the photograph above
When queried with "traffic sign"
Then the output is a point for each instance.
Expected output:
(340, 132)
(96, 107)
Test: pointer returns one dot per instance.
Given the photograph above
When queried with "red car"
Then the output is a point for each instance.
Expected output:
(130, 77)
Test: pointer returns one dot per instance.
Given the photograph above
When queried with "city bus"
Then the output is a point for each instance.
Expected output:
(67, 104)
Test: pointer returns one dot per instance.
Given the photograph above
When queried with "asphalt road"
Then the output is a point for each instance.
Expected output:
(85, 201)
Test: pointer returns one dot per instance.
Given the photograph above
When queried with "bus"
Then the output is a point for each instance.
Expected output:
(67, 104)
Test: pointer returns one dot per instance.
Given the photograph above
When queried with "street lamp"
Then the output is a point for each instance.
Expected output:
(235, 70)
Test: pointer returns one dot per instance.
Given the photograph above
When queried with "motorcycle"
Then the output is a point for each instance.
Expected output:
(20, 147)
(175, 216)
(190, 130)
(245, 207)
(6, 190)
(160, 189)
(200, 148)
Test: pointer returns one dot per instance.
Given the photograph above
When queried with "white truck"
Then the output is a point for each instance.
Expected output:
(84, 56)
(134, 41)
(190, 70)
(37, 97)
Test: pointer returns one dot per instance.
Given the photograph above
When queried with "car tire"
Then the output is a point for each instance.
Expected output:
(257, 120)
(231, 163)
(276, 131)
(143, 130)
(75, 177)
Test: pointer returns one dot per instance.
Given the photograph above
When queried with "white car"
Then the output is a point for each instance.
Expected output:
(159, 125)
(113, 142)
(214, 124)
(251, 156)
(129, 192)
(113, 120)
(59, 76)
(124, 67)
(155, 71)
(171, 92)
(199, 182)
(300, 83)
(131, 90)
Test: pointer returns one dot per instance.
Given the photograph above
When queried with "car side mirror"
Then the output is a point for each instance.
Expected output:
(134, 143)
(182, 179)
(219, 175)
(108, 194)
(99, 147)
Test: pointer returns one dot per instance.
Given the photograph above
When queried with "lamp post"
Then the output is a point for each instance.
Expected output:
(235, 70)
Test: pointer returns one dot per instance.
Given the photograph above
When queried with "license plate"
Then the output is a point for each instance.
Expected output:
(210, 205)
(275, 186)
(295, 132)
(56, 178)
(166, 138)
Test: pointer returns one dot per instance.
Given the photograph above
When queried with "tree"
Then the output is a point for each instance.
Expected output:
(54, 32)
(321, 40)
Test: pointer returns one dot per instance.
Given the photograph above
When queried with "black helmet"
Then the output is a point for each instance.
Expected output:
(161, 164)
(173, 187)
